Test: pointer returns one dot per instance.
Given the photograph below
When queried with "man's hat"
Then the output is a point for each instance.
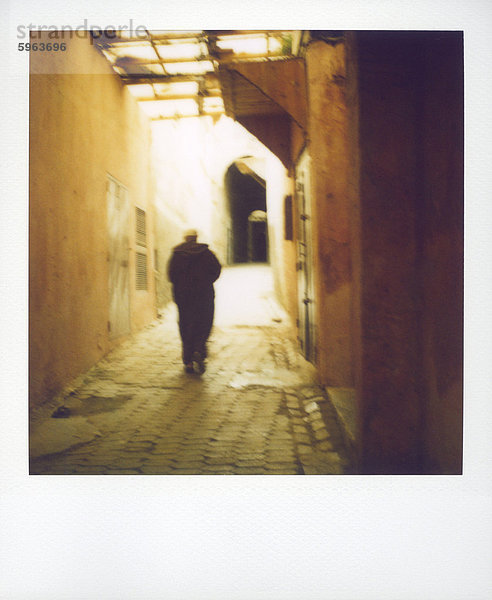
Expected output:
(190, 233)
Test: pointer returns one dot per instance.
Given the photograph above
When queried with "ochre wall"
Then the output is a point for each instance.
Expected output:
(328, 148)
(407, 195)
(83, 125)
(282, 251)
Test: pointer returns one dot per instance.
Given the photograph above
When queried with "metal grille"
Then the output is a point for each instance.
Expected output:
(141, 271)
(288, 220)
(141, 228)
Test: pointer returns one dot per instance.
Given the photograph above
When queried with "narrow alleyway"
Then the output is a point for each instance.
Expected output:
(256, 410)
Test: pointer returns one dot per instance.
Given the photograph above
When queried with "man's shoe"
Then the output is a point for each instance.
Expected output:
(189, 368)
(198, 363)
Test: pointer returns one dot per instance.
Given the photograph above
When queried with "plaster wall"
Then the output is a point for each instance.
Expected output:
(83, 125)
(282, 251)
(183, 191)
(328, 149)
(191, 158)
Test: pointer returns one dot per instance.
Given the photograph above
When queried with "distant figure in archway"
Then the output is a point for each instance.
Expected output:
(192, 270)
(257, 236)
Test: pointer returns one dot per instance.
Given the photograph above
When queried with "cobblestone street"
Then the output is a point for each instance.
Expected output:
(257, 410)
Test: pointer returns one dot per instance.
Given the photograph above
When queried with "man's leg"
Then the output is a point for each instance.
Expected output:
(186, 318)
(203, 326)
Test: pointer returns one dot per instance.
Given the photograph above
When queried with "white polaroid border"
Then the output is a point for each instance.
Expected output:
(275, 538)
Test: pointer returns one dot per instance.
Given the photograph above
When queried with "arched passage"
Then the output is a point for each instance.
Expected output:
(248, 235)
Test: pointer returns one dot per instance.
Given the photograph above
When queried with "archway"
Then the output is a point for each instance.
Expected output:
(246, 199)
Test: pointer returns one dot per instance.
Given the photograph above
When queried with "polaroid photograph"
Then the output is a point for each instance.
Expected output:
(244, 251)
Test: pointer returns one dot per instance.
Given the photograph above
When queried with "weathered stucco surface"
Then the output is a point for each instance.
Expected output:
(328, 148)
(190, 159)
(83, 125)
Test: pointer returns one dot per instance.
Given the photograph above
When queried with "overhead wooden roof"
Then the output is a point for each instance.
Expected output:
(176, 74)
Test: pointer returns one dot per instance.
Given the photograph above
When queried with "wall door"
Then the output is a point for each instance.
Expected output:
(118, 229)
(305, 282)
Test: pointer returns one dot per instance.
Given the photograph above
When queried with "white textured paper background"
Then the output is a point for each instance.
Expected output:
(248, 538)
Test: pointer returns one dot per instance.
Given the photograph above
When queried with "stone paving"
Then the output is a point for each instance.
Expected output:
(257, 410)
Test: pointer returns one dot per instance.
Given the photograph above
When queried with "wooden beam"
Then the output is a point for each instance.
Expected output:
(232, 57)
(225, 58)
(146, 38)
(195, 97)
(141, 62)
(246, 32)
(204, 114)
(154, 78)
(202, 36)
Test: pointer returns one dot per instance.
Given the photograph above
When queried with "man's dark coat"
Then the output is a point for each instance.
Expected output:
(192, 270)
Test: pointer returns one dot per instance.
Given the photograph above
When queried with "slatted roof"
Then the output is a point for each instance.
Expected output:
(175, 74)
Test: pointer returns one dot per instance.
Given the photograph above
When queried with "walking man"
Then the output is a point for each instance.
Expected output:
(192, 270)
